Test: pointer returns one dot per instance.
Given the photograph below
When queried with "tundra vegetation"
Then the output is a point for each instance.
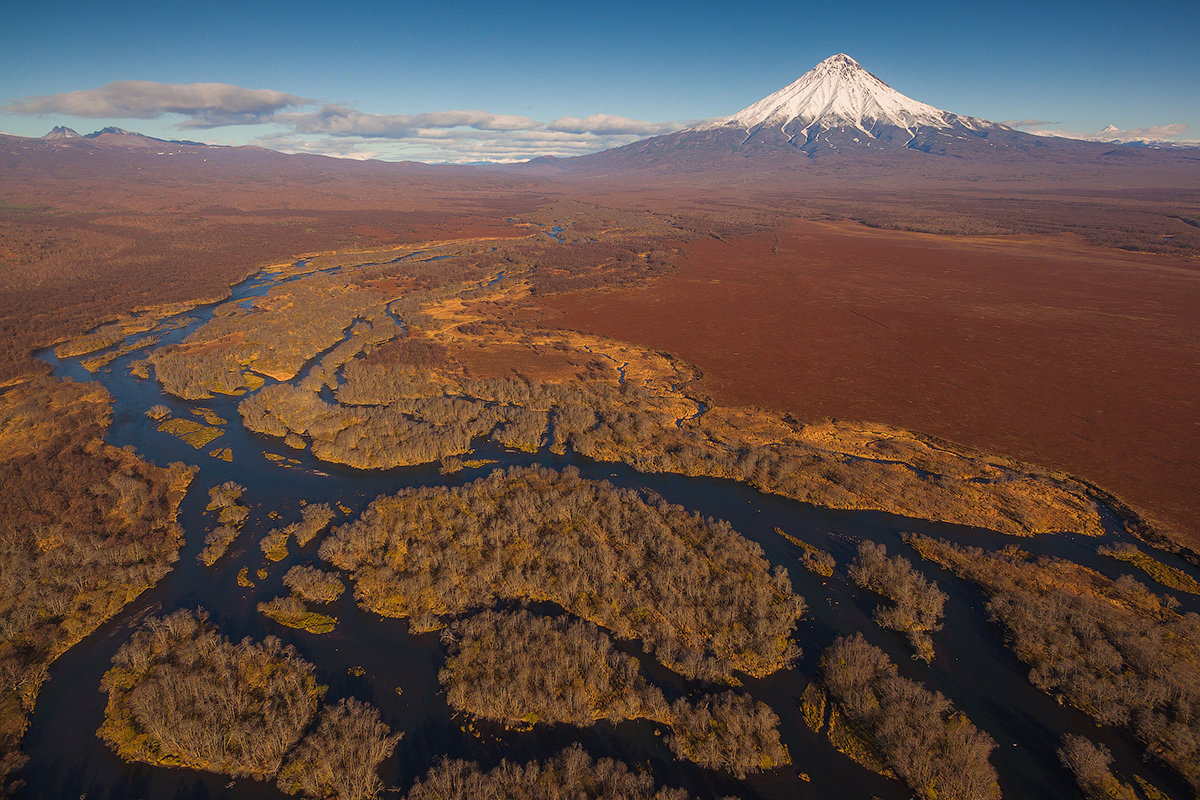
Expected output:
(181, 694)
(406, 362)
(812, 558)
(917, 603)
(896, 726)
(1111, 648)
(86, 528)
(1165, 574)
(292, 612)
(460, 374)
(571, 774)
(701, 598)
(528, 670)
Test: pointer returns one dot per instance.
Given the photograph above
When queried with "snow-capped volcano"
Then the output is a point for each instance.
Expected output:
(842, 116)
(838, 92)
(839, 95)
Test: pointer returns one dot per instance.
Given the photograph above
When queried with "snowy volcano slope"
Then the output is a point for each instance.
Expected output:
(838, 103)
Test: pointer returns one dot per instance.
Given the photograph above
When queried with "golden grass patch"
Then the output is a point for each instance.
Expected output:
(196, 434)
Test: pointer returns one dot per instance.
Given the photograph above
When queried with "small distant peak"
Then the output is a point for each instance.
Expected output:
(111, 130)
(840, 58)
(60, 132)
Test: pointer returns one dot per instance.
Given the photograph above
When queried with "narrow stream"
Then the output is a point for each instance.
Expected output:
(398, 670)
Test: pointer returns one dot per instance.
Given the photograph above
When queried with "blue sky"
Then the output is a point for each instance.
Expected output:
(375, 78)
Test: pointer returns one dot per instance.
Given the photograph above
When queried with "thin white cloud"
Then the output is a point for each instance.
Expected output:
(357, 149)
(208, 105)
(459, 145)
(610, 124)
(341, 121)
(455, 136)
(1028, 123)
(1170, 133)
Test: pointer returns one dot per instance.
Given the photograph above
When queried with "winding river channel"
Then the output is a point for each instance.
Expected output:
(378, 660)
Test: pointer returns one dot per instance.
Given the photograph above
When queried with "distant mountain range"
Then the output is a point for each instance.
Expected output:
(113, 135)
(836, 120)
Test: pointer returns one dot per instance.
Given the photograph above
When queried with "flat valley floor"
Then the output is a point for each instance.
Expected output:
(1046, 349)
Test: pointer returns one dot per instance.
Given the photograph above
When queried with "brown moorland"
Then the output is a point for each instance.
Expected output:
(88, 231)
(1042, 348)
(1039, 347)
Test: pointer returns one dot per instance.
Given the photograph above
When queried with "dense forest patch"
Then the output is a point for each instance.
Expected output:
(312, 584)
(896, 726)
(181, 694)
(701, 598)
(518, 668)
(85, 529)
(340, 758)
(1109, 647)
(1089, 763)
(522, 669)
(571, 774)
(917, 603)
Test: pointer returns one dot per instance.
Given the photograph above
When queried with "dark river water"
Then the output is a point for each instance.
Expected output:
(378, 660)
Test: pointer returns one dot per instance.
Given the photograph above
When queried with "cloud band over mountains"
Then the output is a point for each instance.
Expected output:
(339, 130)
(206, 105)
(454, 136)
(339, 121)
